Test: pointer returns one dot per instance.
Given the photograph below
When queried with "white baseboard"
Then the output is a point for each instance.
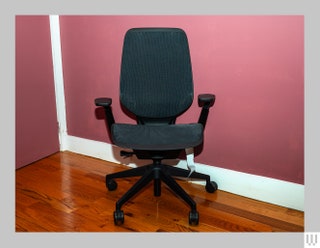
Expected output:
(265, 189)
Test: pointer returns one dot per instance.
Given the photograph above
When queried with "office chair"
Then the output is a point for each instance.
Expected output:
(156, 86)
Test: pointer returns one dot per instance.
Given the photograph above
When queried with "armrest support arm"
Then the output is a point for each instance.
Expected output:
(106, 104)
(205, 101)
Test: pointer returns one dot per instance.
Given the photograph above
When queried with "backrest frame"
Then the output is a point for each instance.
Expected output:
(156, 83)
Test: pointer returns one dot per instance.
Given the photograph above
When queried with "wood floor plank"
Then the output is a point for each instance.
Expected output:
(66, 192)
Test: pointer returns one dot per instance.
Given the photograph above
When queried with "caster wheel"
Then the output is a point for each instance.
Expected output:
(194, 218)
(111, 184)
(118, 216)
(211, 187)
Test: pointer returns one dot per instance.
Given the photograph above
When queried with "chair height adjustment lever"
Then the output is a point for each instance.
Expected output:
(126, 154)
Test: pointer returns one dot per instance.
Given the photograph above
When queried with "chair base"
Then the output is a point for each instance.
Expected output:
(157, 172)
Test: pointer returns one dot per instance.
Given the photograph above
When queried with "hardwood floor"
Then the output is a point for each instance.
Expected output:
(66, 192)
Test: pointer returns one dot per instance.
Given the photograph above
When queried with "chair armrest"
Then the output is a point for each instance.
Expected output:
(205, 101)
(103, 102)
(106, 104)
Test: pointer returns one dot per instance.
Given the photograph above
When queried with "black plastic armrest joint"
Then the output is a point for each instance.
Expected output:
(205, 101)
(106, 104)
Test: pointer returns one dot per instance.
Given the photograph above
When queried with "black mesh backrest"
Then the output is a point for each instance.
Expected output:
(156, 76)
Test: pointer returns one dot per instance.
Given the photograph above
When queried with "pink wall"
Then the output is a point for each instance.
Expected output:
(254, 65)
(36, 118)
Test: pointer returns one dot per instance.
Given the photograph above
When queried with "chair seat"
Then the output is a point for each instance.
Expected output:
(157, 137)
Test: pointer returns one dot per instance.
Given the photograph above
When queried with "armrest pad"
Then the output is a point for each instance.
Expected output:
(206, 100)
(104, 102)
